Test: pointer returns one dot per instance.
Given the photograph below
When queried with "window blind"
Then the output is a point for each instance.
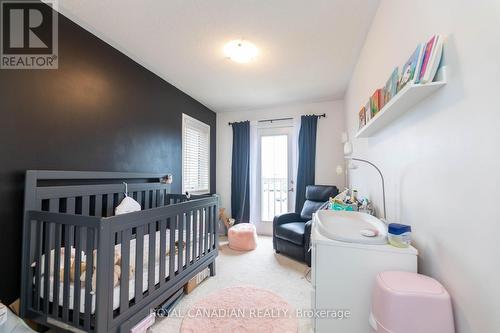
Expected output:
(195, 156)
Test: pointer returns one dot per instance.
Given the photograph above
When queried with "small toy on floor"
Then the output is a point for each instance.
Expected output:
(228, 222)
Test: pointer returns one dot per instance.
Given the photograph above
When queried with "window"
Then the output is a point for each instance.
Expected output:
(195, 156)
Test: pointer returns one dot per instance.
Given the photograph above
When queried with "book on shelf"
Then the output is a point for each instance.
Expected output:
(368, 111)
(408, 72)
(428, 49)
(391, 86)
(420, 68)
(428, 73)
(381, 99)
(362, 117)
(375, 102)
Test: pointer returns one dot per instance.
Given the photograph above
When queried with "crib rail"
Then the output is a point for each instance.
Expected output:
(187, 235)
(49, 296)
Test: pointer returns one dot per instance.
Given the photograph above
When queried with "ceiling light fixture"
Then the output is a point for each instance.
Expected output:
(240, 51)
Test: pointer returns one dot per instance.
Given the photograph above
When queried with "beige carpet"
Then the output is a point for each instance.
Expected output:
(262, 268)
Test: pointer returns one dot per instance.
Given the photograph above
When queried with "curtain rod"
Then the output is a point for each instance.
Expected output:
(278, 119)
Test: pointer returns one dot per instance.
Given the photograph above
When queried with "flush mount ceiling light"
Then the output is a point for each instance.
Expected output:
(240, 51)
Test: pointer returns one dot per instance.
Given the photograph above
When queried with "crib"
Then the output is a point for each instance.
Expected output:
(168, 242)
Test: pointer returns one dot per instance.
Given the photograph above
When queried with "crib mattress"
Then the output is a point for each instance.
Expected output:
(116, 290)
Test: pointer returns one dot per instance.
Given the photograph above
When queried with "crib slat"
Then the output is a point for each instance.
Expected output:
(86, 205)
(38, 267)
(46, 280)
(85, 212)
(171, 243)
(180, 248)
(201, 220)
(98, 205)
(206, 229)
(56, 229)
(194, 239)
(195, 234)
(57, 268)
(212, 223)
(156, 198)
(70, 205)
(139, 256)
(68, 241)
(125, 266)
(215, 235)
(88, 278)
(163, 256)
(213, 228)
(76, 283)
(68, 231)
(153, 199)
(146, 200)
(54, 205)
(189, 218)
(152, 252)
(109, 205)
(117, 198)
(139, 200)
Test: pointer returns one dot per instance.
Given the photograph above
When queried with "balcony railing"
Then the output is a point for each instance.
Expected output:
(274, 197)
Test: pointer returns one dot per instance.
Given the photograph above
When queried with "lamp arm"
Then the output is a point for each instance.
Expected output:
(381, 177)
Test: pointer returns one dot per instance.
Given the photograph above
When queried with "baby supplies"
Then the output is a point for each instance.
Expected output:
(399, 235)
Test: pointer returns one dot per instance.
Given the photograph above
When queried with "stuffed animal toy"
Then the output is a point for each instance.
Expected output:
(228, 222)
(83, 267)
(177, 248)
(116, 270)
(116, 263)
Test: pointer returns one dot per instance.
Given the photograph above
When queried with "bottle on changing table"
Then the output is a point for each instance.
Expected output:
(367, 207)
(399, 235)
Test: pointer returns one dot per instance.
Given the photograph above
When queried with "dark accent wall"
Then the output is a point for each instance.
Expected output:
(99, 111)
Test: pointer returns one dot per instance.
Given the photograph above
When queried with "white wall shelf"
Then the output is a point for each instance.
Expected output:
(409, 96)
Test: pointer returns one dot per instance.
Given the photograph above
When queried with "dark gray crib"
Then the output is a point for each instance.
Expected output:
(65, 209)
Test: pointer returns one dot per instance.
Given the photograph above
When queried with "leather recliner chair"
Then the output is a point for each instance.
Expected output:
(292, 231)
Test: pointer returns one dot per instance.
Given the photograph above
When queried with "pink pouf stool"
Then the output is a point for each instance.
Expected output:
(242, 237)
(406, 302)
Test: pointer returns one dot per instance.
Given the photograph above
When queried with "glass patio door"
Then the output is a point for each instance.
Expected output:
(276, 185)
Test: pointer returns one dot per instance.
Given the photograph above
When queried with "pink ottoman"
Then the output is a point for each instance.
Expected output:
(242, 237)
(410, 303)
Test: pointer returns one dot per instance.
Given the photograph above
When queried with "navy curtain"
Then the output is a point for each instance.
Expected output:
(307, 158)
(240, 172)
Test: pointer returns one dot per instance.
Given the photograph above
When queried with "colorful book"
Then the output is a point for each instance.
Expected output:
(362, 117)
(375, 102)
(434, 60)
(416, 78)
(408, 70)
(428, 50)
(391, 86)
(368, 111)
(381, 99)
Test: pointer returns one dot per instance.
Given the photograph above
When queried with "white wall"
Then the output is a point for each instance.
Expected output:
(441, 160)
(328, 147)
